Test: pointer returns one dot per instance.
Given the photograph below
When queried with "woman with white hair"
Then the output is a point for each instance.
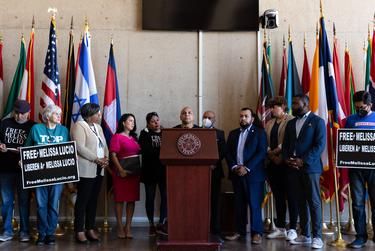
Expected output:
(47, 197)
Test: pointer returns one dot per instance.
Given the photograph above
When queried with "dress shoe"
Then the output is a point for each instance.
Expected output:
(50, 240)
(256, 239)
(234, 237)
(40, 241)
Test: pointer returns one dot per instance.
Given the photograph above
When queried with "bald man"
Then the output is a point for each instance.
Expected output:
(187, 118)
(216, 175)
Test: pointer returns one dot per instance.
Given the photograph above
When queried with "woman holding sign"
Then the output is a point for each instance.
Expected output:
(48, 197)
(125, 183)
(92, 159)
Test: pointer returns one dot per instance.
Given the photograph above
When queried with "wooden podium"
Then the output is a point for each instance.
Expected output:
(188, 154)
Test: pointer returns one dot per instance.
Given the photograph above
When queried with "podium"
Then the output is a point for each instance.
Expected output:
(188, 155)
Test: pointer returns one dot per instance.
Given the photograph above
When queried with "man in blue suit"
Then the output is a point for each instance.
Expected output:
(304, 142)
(247, 149)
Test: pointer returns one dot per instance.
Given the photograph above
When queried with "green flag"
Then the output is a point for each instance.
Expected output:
(17, 80)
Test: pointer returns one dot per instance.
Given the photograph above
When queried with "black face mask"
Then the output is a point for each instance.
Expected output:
(298, 112)
(362, 112)
(244, 127)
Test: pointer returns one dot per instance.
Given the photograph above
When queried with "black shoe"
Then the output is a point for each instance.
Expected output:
(40, 241)
(50, 240)
(82, 241)
(90, 238)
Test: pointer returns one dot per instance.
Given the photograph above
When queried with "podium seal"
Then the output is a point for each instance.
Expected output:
(188, 144)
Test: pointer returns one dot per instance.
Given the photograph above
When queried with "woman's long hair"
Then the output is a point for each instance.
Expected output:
(121, 127)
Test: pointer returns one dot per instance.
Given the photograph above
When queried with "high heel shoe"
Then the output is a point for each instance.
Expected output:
(79, 241)
(91, 238)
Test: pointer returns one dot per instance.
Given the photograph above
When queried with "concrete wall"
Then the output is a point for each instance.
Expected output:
(158, 71)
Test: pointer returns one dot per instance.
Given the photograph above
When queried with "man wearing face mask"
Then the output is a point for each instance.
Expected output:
(13, 134)
(303, 144)
(217, 173)
(246, 152)
(363, 119)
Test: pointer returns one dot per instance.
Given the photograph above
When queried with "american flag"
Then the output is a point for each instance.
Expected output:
(50, 82)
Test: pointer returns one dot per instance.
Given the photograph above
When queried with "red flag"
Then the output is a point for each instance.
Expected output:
(27, 85)
(283, 73)
(343, 172)
(305, 73)
(349, 84)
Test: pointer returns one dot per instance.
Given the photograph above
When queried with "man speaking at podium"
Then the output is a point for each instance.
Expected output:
(187, 118)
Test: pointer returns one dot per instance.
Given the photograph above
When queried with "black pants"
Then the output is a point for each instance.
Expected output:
(150, 189)
(306, 187)
(85, 208)
(215, 204)
(281, 189)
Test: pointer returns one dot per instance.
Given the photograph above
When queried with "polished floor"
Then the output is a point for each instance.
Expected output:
(142, 242)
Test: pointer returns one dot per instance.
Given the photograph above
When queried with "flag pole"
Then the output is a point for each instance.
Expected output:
(369, 222)
(349, 228)
(339, 242)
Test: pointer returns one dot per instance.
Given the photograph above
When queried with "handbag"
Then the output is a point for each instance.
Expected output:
(132, 164)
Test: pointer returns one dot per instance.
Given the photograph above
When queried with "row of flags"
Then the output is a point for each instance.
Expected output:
(80, 87)
(330, 97)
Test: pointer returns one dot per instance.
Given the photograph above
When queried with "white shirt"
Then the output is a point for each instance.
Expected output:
(300, 122)
(241, 146)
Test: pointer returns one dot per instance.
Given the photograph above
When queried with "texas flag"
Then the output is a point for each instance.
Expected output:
(112, 109)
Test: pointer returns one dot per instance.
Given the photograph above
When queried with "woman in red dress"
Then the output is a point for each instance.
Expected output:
(125, 186)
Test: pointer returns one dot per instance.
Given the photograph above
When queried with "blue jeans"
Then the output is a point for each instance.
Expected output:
(8, 182)
(48, 198)
(150, 189)
(358, 179)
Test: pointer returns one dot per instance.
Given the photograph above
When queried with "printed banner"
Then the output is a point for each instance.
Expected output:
(49, 164)
(355, 148)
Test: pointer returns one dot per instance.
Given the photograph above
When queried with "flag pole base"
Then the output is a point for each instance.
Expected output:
(339, 243)
(106, 228)
(349, 228)
(326, 230)
(59, 230)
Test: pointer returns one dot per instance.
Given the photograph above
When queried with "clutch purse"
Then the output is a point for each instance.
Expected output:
(132, 164)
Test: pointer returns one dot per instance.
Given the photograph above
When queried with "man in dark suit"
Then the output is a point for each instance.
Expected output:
(247, 149)
(187, 118)
(304, 142)
(217, 173)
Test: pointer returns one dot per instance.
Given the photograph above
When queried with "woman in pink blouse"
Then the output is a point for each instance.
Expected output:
(125, 186)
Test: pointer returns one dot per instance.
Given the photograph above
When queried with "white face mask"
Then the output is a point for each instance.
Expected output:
(207, 123)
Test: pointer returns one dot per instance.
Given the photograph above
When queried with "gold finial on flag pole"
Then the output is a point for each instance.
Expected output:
(321, 9)
(334, 30)
(283, 40)
(71, 24)
(269, 40)
(304, 39)
(86, 24)
(346, 46)
(53, 10)
(368, 33)
(33, 23)
(264, 36)
(1, 38)
(289, 36)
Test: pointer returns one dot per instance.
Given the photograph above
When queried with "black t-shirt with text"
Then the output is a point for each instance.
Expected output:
(13, 135)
